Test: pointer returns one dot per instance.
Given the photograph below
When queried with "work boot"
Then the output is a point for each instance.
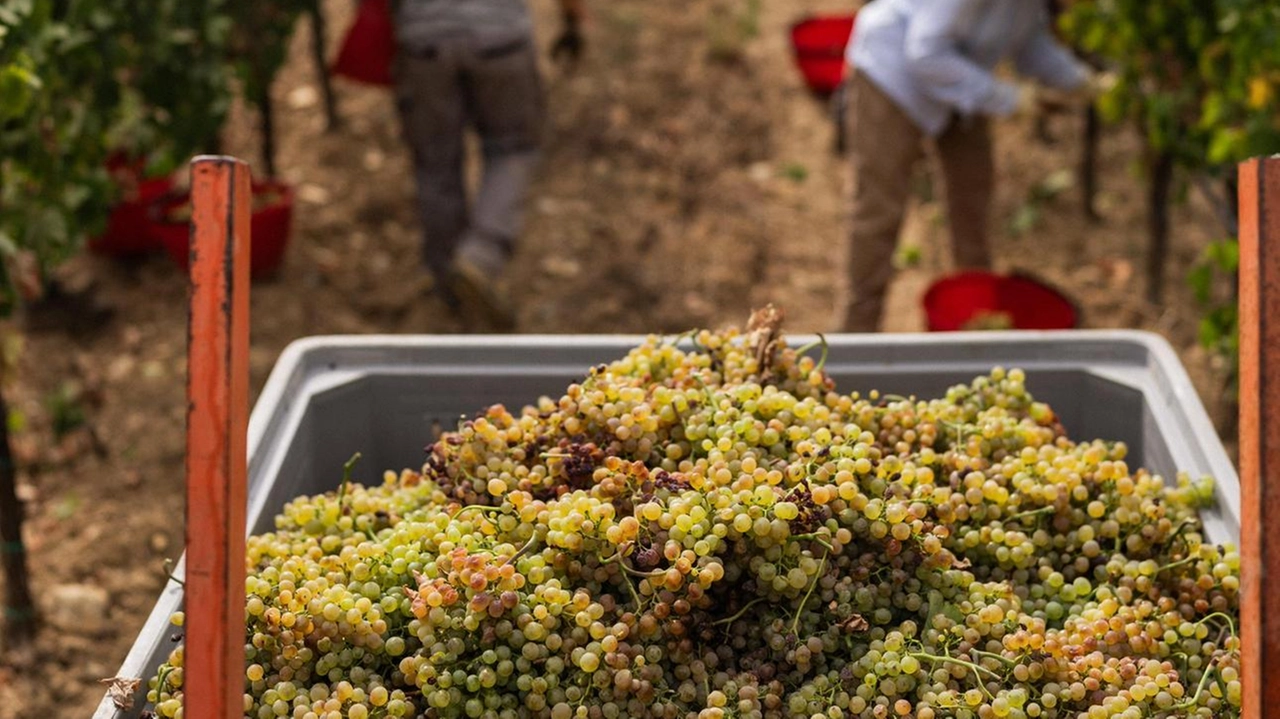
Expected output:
(475, 279)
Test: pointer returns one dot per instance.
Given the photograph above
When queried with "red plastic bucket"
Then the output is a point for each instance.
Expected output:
(269, 225)
(819, 43)
(127, 232)
(368, 49)
(983, 300)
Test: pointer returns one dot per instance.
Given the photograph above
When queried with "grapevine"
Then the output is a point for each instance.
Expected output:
(711, 529)
(1198, 79)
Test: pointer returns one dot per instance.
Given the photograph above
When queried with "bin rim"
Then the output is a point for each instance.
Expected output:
(296, 354)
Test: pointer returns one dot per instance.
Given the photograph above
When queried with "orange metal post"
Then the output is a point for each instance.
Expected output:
(217, 426)
(1260, 434)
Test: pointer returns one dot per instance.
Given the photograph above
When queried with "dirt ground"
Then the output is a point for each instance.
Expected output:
(688, 177)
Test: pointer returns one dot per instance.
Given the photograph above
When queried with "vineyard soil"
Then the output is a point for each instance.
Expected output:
(688, 176)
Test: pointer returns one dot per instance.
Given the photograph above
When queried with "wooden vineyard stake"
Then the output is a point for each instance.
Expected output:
(217, 425)
(1260, 436)
(315, 9)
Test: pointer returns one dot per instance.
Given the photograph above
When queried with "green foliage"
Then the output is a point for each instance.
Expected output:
(52, 183)
(258, 55)
(81, 80)
(1200, 78)
(1028, 214)
(907, 257)
(731, 25)
(1220, 326)
(85, 80)
(179, 75)
(66, 409)
(1197, 76)
(796, 172)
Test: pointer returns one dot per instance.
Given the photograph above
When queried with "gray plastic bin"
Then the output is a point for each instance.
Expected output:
(387, 397)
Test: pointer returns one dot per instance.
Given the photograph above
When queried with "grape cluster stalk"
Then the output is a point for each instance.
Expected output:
(708, 528)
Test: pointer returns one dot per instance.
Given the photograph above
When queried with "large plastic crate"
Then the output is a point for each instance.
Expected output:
(388, 396)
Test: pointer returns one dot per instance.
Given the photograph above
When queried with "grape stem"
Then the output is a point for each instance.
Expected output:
(638, 573)
(617, 557)
(586, 693)
(677, 339)
(1033, 512)
(693, 340)
(822, 361)
(1005, 660)
(795, 621)
(168, 572)
(1195, 698)
(477, 507)
(736, 617)
(521, 552)
(1179, 563)
(1230, 623)
(1177, 531)
(975, 668)
(813, 536)
(346, 481)
(634, 594)
(960, 431)
(163, 677)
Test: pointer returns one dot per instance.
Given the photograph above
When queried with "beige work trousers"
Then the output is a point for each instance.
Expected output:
(886, 144)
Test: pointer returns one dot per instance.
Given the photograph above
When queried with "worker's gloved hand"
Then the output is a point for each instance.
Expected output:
(1094, 86)
(1100, 83)
(568, 47)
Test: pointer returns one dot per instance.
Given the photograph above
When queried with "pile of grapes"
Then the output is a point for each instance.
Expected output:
(716, 531)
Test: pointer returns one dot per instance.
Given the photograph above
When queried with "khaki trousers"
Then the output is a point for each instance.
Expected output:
(886, 144)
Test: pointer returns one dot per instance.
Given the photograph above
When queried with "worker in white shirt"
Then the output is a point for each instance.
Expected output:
(922, 71)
